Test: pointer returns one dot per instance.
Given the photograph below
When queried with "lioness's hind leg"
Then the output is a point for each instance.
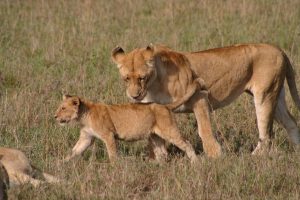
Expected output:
(264, 105)
(283, 116)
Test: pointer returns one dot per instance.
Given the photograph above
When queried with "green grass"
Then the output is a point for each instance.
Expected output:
(51, 47)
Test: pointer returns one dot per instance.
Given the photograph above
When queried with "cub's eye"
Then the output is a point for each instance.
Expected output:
(63, 108)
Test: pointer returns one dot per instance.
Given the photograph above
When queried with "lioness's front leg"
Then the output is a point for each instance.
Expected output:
(202, 114)
(85, 140)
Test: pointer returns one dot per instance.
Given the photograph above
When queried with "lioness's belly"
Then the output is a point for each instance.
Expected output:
(220, 96)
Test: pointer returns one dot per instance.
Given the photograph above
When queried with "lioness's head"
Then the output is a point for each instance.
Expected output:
(137, 69)
(68, 109)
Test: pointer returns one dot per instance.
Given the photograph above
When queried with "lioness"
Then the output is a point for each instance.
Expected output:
(159, 74)
(19, 169)
(126, 122)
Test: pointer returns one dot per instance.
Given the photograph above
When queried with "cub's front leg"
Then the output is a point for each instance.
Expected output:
(85, 140)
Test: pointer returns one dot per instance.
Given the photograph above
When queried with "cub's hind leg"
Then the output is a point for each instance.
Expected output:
(173, 136)
(157, 148)
(166, 128)
(111, 145)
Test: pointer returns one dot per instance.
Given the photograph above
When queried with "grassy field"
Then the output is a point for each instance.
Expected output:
(50, 47)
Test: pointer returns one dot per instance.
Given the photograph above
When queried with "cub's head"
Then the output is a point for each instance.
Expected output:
(67, 110)
(137, 69)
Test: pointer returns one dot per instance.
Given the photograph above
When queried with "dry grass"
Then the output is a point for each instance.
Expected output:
(48, 47)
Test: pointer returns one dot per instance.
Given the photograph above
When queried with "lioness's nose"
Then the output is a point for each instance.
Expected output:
(135, 97)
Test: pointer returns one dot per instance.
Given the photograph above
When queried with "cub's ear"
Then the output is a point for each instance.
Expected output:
(117, 54)
(76, 101)
(66, 96)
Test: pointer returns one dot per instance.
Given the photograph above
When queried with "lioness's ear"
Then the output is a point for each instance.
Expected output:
(117, 54)
(65, 96)
(75, 101)
(148, 54)
(150, 47)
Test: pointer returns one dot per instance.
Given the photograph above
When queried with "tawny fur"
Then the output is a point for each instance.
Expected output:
(4, 182)
(128, 122)
(160, 74)
(19, 169)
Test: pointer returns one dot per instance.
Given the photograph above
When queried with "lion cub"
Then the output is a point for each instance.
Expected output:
(125, 122)
(19, 169)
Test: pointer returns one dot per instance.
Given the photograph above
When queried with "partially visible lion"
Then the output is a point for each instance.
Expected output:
(125, 122)
(19, 169)
(162, 75)
(4, 182)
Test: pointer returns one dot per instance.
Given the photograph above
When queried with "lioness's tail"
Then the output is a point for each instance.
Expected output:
(290, 77)
(197, 83)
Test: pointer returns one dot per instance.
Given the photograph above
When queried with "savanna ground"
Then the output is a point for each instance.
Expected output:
(50, 47)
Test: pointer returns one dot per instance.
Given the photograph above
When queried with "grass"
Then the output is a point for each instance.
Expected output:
(50, 47)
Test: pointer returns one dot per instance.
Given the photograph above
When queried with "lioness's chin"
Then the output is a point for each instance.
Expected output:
(141, 98)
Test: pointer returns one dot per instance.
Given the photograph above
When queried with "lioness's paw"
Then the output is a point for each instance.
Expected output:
(214, 151)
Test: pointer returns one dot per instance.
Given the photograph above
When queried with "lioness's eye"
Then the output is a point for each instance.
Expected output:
(142, 78)
(126, 79)
(63, 108)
